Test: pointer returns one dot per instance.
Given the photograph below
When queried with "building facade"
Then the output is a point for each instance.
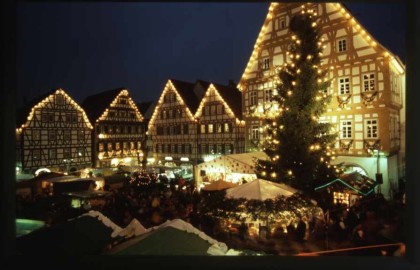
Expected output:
(119, 132)
(367, 89)
(56, 134)
(195, 122)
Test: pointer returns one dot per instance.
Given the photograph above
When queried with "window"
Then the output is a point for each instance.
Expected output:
(342, 45)
(81, 135)
(109, 146)
(68, 118)
(253, 98)
(67, 153)
(36, 155)
(185, 131)
(36, 135)
(67, 135)
(266, 63)
(44, 117)
(211, 128)
(123, 101)
(52, 153)
(219, 128)
(123, 113)
(369, 82)
(171, 114)
(220, 109)
(344, 85)
(371, 129)
(255, 133)
(52, 135)
(203, 129)
(117, 146)
(74, 117)
(101, 147)
(125, 145)
(51, 117)
(213, 109)
(207, 110)
(132, 145)
(59, 100)
(268, 95)
(228, 148)
(80, 152)
(181, 148)
(282, 23)
(346, 129)
(228, 127)
(188, 149)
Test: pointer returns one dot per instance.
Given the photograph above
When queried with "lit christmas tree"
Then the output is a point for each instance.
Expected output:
(299, 147)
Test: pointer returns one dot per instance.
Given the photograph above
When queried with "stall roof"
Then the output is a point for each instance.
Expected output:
(354, 181)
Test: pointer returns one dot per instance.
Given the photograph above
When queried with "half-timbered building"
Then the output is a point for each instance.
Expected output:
(368, 88)
(55, 133)
(119, 131)
(194, 122)
(220, 125)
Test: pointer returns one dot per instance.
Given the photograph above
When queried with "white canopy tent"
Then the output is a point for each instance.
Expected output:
(260, 189)
(231, 168)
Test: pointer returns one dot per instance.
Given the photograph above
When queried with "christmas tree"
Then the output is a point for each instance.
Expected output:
(299, 147)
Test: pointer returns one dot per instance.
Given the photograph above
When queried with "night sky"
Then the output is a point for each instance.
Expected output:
(87, 48)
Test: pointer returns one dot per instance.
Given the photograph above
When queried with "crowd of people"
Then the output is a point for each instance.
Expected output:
(369, 221)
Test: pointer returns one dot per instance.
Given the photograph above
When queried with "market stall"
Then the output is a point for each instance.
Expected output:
(235, 168)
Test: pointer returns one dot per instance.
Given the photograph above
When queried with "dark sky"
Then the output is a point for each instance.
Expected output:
(86, 48)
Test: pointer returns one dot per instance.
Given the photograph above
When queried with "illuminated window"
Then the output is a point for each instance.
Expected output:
(211, 128)
(369, 82)
(117, 146)
(109, 146)
(219, 128)
(203, 129)
(371, 128)
(101, 147)
(255, 133)
(266, 63)
(342, 45)
(346, 129)
(253, 98)
(344, 85)
(132, 145)
(268, 95)
(227, 127)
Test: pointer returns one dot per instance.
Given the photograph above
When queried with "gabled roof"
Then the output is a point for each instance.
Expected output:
(95, 105)
(259, 44)
(233, 97)
(186, 91)
(23, 112)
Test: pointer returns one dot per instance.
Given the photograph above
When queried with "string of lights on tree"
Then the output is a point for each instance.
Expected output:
(299, 146)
